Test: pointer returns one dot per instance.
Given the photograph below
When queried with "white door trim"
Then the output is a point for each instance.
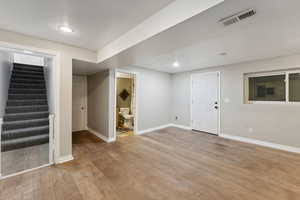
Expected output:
(136, 81)
(85, 102)
(219, 98)
(56, 85)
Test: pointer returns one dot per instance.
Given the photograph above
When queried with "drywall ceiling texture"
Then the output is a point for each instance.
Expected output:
(275, 123)
(169, 16)
(95, 22)
(67, 53)
(86, 68)
(197, 42)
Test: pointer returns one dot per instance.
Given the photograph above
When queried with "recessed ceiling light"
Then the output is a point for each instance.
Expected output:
(176, 64)
(65, 29)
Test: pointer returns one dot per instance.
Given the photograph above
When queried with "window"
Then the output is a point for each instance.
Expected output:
(281, 87)
(294, 87)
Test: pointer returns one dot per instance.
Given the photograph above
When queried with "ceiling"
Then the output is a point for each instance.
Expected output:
(95, 22)
(85, 68)
(198, 42)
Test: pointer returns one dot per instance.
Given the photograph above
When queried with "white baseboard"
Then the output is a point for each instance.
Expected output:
(162, 127)
(23, 172)
(64, 159)
(99, 135)
(181, 126)
(153, 129)
(262, 143)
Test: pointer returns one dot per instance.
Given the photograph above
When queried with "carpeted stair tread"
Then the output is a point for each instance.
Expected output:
(25, 80)
(26, 119)
(25, 109)
(25, 116)
(24, 142)
(26, 91)
(27, 102)
(24, 132)
(24, 72)
(28, 113)
(28, 70)
(26, 96)
(27, 76)
(10, 125)
(25, 66)
(28, 85)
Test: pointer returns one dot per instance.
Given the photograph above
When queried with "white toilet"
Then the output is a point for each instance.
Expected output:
(128, 119)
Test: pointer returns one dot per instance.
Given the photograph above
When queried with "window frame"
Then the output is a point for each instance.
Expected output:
(261, 74)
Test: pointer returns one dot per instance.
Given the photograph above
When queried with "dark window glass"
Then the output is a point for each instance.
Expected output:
(294, 87)
(267, 88)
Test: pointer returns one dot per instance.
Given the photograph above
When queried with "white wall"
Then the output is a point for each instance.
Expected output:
(153, 100)
(279, 124)
(98, 102)
(66, 54)
(153, 97)
(28, 59)
(50, 78)
(5, 71)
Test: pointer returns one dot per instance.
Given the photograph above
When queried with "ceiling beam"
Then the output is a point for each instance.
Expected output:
(175, 13)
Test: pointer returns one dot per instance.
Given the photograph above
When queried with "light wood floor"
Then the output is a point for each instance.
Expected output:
(167, 164)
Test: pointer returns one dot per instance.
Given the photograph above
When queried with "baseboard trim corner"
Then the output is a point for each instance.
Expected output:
(262, 143)
(153, 129)
(99, 135)
(162, 127)
(181, 126)
(64, 159)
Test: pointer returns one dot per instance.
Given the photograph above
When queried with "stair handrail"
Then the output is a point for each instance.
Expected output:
(51, 137)
(1, 122)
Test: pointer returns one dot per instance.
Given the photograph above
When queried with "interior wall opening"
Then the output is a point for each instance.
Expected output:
(79, 103)
(125, 104)
(27, 107)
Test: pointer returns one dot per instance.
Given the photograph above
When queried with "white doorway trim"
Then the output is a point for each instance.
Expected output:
(114, 96)
(83, 80)
(219, 99)
(54, 152)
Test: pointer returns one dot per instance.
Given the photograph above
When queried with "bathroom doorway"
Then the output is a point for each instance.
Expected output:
(125, 108)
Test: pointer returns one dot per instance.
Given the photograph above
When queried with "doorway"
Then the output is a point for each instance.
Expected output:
(29, 109)
(205, 102)
(79, 103)
(125, 104)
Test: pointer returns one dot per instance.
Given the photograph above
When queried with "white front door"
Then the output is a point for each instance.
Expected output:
(79, 103)
(205, 102)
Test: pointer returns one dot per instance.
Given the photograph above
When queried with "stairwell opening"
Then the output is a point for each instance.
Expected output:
(27, 108)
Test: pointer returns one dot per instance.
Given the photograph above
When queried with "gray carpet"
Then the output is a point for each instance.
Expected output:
(26, 121)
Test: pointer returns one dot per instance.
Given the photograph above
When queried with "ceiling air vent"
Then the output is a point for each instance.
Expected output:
(237, 17)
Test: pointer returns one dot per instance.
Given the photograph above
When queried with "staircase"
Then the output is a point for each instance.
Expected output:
(26, 119)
